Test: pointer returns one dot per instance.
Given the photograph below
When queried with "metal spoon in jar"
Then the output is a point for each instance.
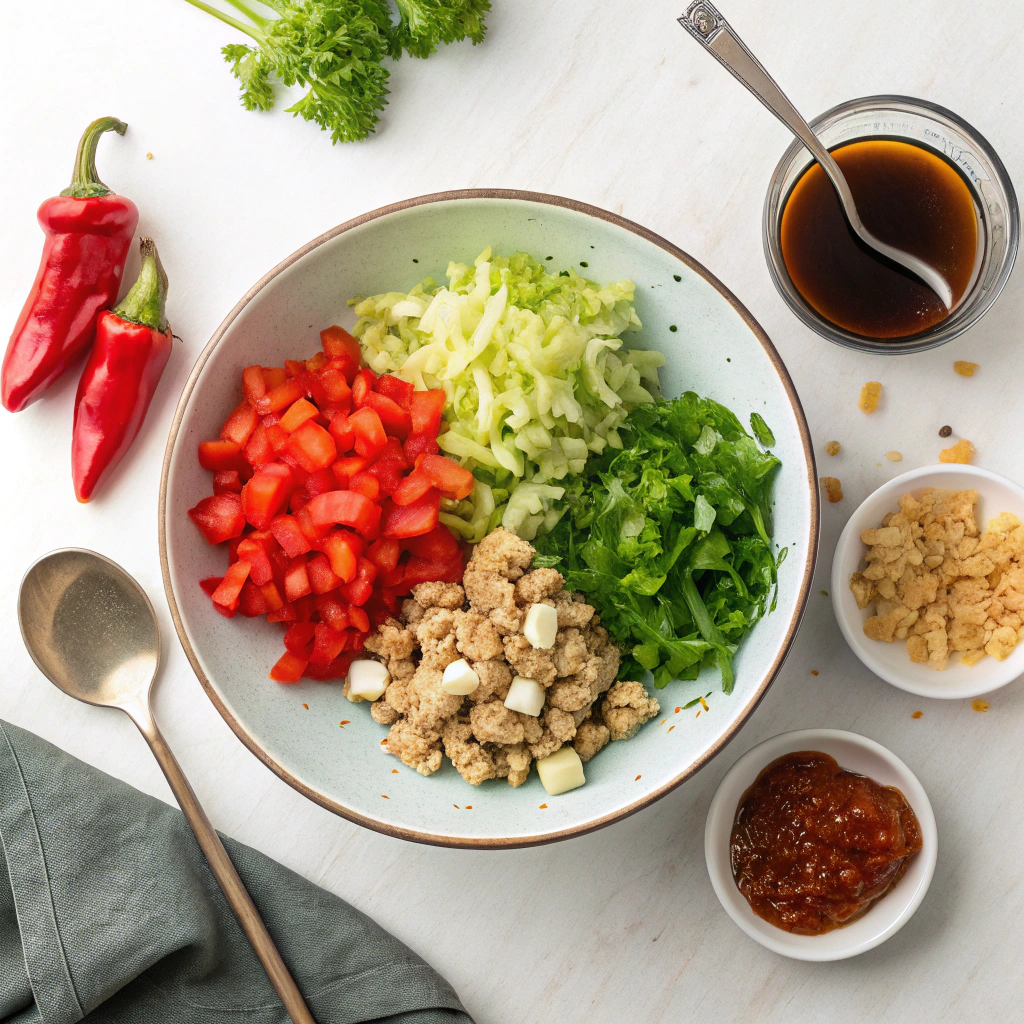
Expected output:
(714, 33)
(93, 633)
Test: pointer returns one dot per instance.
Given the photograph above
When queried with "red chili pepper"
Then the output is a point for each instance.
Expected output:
(88, 233)
(133, 344)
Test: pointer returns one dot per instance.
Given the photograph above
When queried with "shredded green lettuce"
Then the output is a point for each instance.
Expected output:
(537, 379)
(670, 538)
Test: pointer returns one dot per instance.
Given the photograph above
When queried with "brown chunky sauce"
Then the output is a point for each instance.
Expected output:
(908, 196)
(815, 846)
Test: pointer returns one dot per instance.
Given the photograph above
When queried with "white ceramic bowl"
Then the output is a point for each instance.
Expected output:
(718, 350)
(857, 754)
(891, 661)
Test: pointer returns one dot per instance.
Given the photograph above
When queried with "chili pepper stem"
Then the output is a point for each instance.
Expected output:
(85, 182)
(146, 301)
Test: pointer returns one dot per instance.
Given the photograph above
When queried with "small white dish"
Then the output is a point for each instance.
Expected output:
(890, 913)
(891, 661)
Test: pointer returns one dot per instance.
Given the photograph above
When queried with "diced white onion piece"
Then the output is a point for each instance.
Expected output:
(367, 680)
(541, 626)
(525, 695)
(561, 771)
(459, 678)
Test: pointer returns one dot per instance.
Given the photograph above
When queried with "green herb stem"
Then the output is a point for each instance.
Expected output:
(226, 18)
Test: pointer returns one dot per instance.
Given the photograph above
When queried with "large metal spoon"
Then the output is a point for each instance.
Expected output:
(715, 34)
(93, 633)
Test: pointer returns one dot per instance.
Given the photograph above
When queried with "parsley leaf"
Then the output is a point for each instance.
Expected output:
(670, 538)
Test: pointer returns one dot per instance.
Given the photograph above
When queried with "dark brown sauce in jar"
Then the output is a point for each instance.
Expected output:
(909, 196)
(814, 846)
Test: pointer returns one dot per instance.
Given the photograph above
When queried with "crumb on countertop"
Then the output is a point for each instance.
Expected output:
(870, 395)
(962, 452)
(966, 369)
(833, 488)
(833, 448)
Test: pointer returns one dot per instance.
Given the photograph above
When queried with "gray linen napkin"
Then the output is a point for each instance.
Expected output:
(109, 913)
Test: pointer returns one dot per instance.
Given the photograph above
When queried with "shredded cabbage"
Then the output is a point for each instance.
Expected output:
(535, 373)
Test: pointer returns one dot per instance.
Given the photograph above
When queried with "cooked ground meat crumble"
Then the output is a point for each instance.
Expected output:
(481, 622)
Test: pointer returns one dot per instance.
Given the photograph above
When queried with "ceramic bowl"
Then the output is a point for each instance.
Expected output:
(717, 349)
(857, 754)
(891, 661)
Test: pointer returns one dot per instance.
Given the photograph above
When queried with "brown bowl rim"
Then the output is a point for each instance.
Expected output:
(475, 842)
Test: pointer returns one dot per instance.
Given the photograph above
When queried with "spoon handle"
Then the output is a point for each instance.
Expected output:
(223, 870)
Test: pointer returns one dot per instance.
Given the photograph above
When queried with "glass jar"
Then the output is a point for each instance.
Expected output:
(925, 124)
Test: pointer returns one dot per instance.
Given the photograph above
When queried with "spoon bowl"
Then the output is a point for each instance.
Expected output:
(89, 627)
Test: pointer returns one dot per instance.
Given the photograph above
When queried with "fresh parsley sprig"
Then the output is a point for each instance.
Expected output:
(336, 50)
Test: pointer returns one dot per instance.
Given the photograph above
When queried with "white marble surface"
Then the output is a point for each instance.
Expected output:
(610, 103)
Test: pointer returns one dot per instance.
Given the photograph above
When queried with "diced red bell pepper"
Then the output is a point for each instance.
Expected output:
(227, 481)
(266, 493)
(370, 436)
(253, 385)
(251, 602)
(238, 427)
(338, 344)
(317, 362)
(218, 455)
(328, 643)
(312, 386)
(420, 444)
(332, 611)
(425, 409)
(342, 549)
(335, 386)
(337, 669)
(220, 517)
(312, 447)
(399, 391)
(412, 488)
(231, 586)
(346, 508)
(411, 520)
(310, 530)
(342, 432)
(277, 437)
(286, 613)
(366, 484)
(395, 419)
(297, 414)
(322, 577)
(258, 451)
(253, 551)
(357, 593)
(320, 482)
(294, 366)
(451, 479)
(299, 639)
(439, 544)
(288, 668)
(287, 533)
(364, 383)
(299, 474)
(296, 580)
(384, 553)
(359, 619)
(272, 596)
(274, 376)
(427, 570)
(210, 584)
(281, 396)
(346, 468)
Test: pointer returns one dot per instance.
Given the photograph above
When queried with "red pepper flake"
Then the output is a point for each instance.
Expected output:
(384, 796)
(394, 771)
(543, 807)
(671, 727)
(637, 779)
(697, 715)
(469, 807)
(663, 721)
(917, 714)
(814, 672)
(344, 722)
(456, 806)
(678, 710)
(306, 706)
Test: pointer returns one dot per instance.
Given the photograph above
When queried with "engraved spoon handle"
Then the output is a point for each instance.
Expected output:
(704, 22)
